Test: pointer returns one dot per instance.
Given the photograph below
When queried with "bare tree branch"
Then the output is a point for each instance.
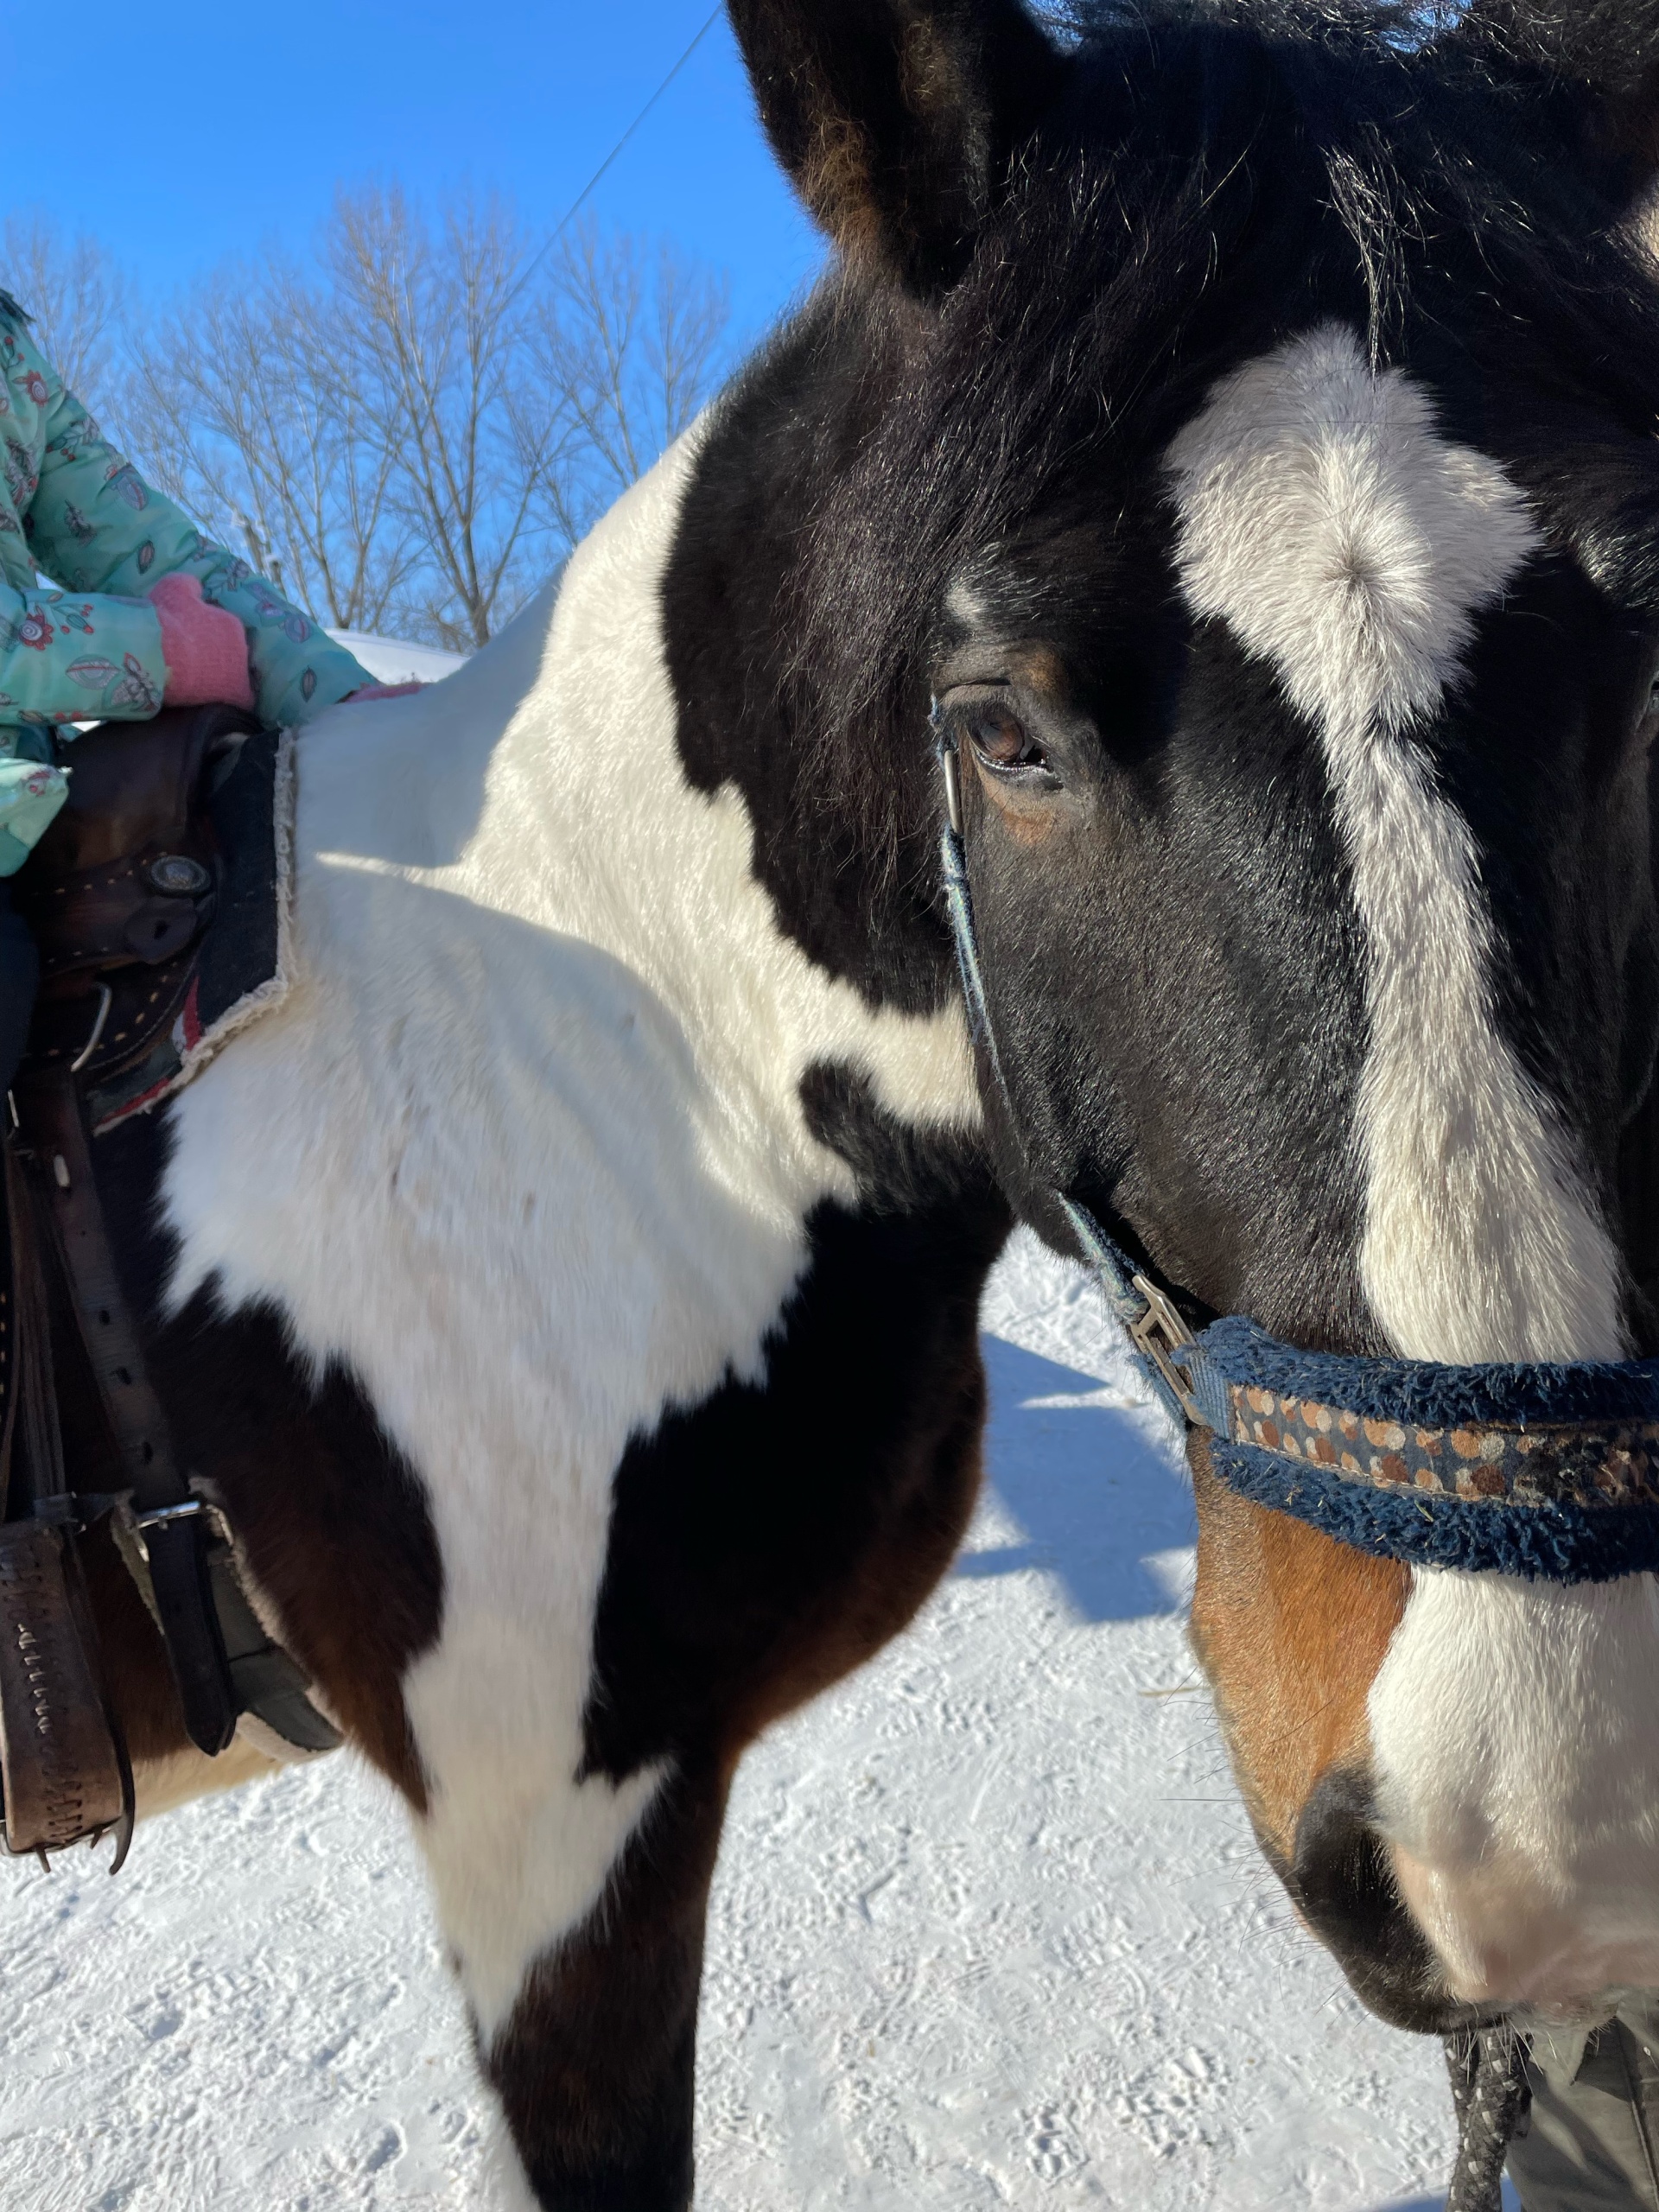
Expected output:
(411, 435)
(433, 330)
(630, 342)
(76, 298)
(237, 405)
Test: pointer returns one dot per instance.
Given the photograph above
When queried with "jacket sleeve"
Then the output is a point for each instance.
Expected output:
(297, 668)
(98, 527)
(70, 656)
(83, 653)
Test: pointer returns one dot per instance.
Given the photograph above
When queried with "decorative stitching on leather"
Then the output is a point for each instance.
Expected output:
(63, 1797)
(1585, 1464)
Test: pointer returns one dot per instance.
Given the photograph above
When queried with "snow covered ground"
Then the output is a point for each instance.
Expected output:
(988, 1930)
(391, 661)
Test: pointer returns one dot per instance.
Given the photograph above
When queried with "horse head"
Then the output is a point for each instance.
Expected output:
(1239, 420)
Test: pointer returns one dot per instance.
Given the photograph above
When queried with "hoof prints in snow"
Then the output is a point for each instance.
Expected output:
(988, 1930)
(1052, 2146)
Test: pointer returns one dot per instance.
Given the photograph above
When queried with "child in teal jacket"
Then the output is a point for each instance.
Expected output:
(101, 648)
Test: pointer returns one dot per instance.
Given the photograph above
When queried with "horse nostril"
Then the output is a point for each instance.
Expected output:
(1340, 1877)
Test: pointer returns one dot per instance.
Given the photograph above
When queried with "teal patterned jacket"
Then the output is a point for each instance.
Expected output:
(72, 509)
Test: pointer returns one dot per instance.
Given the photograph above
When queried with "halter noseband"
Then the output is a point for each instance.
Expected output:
(1547, 1472)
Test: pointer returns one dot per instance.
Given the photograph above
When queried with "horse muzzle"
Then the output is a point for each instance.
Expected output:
(1435, 1956)
(1341, 1881)
(1505, 1943)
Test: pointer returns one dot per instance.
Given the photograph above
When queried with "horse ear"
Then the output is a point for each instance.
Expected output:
(895, 119)
(1607, 52)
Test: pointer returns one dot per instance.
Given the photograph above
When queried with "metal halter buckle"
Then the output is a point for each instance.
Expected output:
(1158, 1334)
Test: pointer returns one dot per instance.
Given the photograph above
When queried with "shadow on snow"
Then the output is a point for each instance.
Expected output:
(1101, 1507)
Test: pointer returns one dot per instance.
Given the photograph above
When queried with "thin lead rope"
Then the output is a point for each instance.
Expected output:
(1153, 1326)
(1117, 1277)
(1489, 2090)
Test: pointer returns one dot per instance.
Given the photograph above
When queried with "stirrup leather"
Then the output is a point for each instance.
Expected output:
(64, 1768)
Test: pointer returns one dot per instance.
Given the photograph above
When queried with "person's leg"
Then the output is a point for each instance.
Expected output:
(20, 976)
(1592, 2143)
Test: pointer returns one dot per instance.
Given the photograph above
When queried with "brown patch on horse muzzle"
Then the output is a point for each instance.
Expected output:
(1291, 1627)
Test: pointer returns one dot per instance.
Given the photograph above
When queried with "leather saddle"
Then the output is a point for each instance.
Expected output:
(119, 895)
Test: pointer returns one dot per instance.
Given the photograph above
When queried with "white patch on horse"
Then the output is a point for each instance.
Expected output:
(526, 1147)
(1515, 1740)
(1515, 1746)
(1325, 520)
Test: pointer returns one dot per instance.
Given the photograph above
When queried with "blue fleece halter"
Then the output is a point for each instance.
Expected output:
(1547, 1472)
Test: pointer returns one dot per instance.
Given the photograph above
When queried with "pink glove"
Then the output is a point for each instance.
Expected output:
(206, 649)
(380, 691)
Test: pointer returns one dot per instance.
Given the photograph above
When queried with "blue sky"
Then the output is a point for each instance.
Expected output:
(203, 130)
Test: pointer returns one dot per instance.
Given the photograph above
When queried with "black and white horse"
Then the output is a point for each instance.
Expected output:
(1243, 423)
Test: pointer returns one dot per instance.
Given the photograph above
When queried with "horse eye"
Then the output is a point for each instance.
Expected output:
(1001, 740)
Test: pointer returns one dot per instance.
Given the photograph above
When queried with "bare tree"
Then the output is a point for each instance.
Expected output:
(519, 388)
(627, 339)
(432, 328)
(408, 434)
(239, 406)
(77, 299)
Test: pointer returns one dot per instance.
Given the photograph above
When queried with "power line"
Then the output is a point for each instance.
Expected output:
(576, 203)
(569, 215)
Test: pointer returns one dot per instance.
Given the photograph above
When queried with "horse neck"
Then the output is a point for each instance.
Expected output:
(542, 786)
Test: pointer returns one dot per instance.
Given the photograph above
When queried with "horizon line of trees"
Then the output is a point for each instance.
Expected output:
(409, 429)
